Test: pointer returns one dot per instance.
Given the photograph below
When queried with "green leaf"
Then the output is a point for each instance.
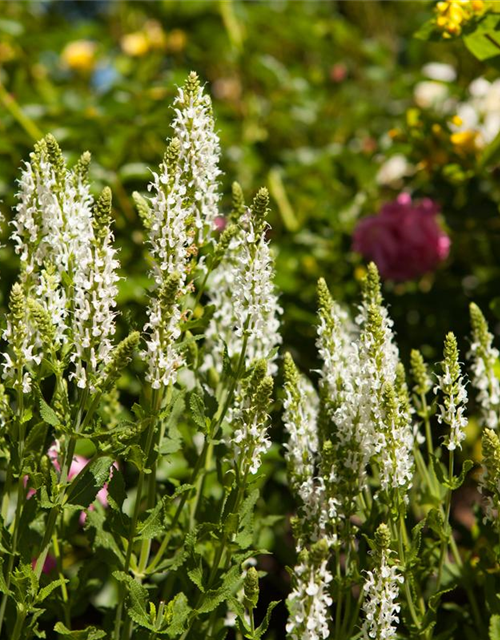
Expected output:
(196, 576)
(90, 633)
(46, 591)
(116, 490)
(435, 522)
(48, 414)
(138, 597)
(484, 41)
(262, 628)
(197, 407)
(90, 481)
(435, 599)
(458, 481)
(3, 585)
(180, 613)
(154, 525)
(494, 630)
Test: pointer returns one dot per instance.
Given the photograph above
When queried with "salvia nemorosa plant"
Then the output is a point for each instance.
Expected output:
(125, 519)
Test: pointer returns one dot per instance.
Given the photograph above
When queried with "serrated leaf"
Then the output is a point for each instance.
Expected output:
(90, 481)
(494, 629)
(138, 597)
(48, 414)
(196, 576)
(435, 599)
(197, 407)
(116, 490)
(180, 614)
(154, 525)
(457, 482)
(262, 628)
(46, 591)
(3, 585)
(90, 633)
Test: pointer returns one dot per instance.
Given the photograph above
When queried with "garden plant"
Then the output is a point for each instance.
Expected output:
(197, 441)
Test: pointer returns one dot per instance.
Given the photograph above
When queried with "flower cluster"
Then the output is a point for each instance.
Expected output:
(453, 15)
(68, 264)
(241, 288)
(198, 154)
(309, 602)
(454, 394)
(404, 239)
(179, 217)
(483, 357)
(381, 592)
(490, 480)
(250, 419)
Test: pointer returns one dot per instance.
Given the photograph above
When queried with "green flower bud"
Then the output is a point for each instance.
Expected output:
(102, 217)
(238, 201)
(419, 373)
(120, 358)
(260, 207)
(370, 286)
(382, 537)
(56, 157)
(251, 588)
(81, 169)
(43, 323)
(320, 551)
(143, 209)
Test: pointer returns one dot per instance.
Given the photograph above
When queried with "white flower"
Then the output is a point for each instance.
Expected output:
(429, 94)
(245, 301)
(394, 170)
(439, 71)
(199, 153)
(380, 605)
(483, 358)
(454, 395)
(309, 602)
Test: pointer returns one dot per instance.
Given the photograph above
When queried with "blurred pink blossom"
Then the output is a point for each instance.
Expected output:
(49, 565)
(404, 239)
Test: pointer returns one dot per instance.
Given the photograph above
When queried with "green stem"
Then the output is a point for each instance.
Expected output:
(447, 510)
(18, 114)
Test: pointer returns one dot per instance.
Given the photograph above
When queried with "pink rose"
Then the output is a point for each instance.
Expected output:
(404, 239)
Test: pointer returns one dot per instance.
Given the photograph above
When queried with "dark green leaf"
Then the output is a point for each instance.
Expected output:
(90, 481)
(48, 414)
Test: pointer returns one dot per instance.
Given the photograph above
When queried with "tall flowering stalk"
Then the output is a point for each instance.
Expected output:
(309, 601)
(381, 588)
(451, 388)
(199, 151)
(483, 357)
(242, 290)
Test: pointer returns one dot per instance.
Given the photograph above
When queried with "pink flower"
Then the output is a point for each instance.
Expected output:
(404, 239)
(48, 566)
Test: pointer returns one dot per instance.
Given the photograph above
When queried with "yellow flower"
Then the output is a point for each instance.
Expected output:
(176, 41)
(464, 141)
(80, 55)
(155, 35)
(135, 44)
(452, 15)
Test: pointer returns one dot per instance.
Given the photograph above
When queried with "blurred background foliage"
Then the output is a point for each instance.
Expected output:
(319, 101)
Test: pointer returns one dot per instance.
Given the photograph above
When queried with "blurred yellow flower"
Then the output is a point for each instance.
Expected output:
(464, 141)
(176, 40)
(7, 52)
(135, 44)
(80, 55)
(156, 36)
(453, 14)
